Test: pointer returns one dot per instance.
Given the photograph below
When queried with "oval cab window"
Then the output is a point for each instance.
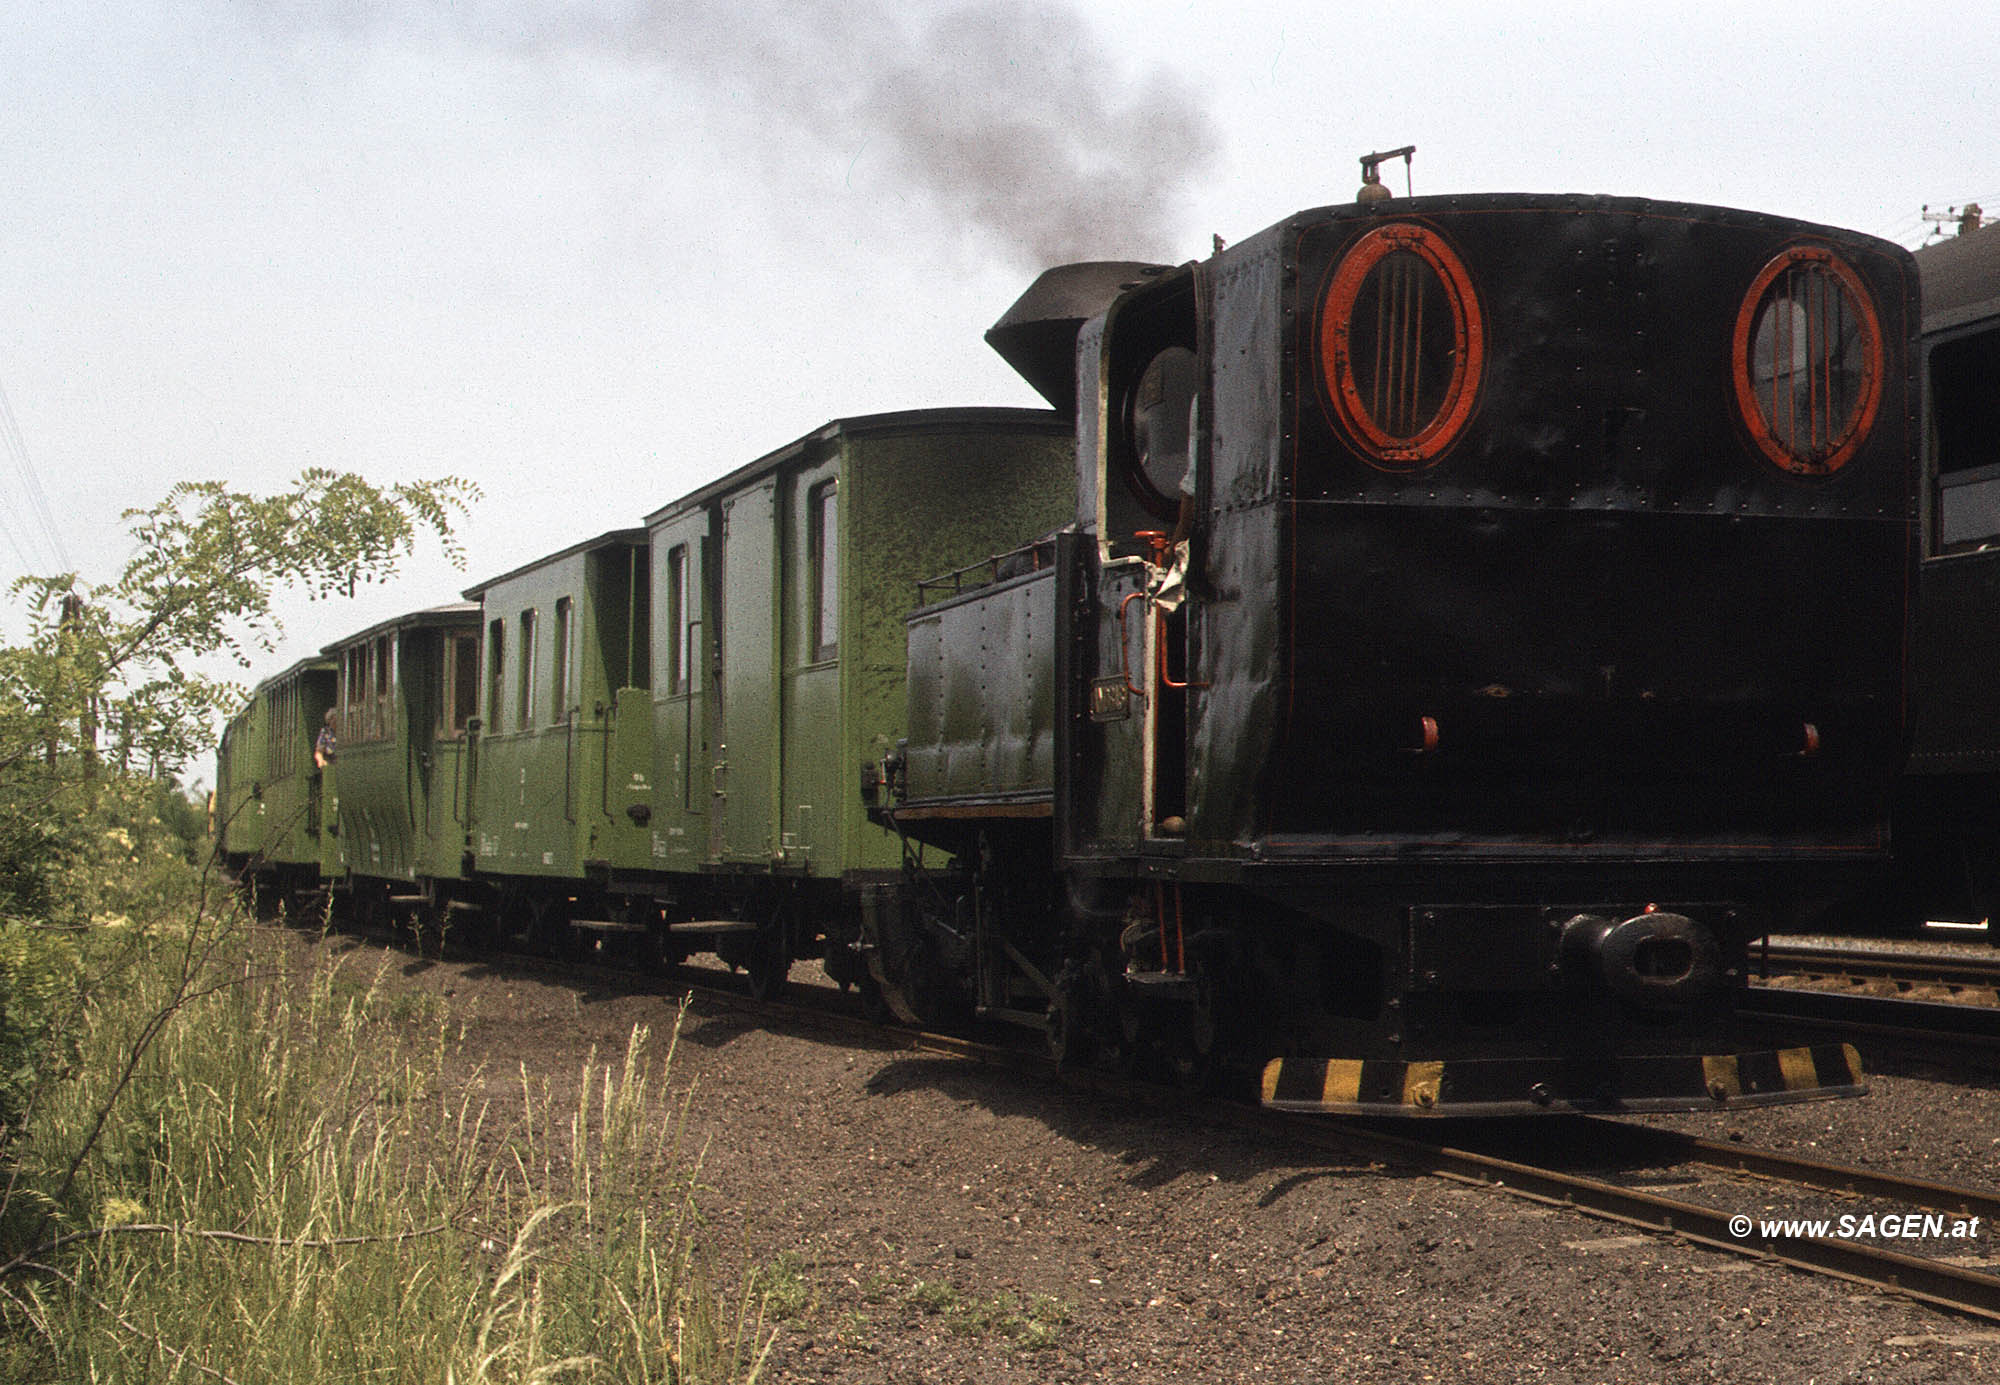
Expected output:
(1401, 344)
(1808, 361)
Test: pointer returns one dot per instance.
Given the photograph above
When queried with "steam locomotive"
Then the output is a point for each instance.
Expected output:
(1420, 648)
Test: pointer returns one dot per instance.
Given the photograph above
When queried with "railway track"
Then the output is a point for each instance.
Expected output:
(1597, 1160)
(1743, 1174)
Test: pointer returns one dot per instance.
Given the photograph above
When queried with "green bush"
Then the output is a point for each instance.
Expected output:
(40, 846)
(83, 865)
(40, 967)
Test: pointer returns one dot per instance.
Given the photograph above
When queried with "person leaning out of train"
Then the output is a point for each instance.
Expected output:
(326, 749)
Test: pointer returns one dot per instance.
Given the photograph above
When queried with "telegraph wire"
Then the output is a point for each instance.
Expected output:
(42, 533)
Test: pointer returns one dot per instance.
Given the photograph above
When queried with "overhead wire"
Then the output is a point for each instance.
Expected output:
(50, 555)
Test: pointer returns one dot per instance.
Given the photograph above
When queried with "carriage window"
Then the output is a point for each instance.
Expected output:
(559, 702)
(525, 701)
(364, 694)
(639, 656)
(461, 678)
(385, 687)
(496, 675)
(822, 504)
(276, 733)
(680, 660)
(352, 664)
(1808, 359)
(1965, 436)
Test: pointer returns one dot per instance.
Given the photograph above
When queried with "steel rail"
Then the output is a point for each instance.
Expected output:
(1900, 965)
(1919, 1021)
(1822, 1174)
(1934, 1282)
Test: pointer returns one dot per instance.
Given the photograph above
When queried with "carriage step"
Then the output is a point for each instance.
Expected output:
(1161, 985)
(715, 926)
(606, 926)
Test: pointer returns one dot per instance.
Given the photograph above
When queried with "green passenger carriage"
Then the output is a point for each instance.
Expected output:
(270, 801)
(406, 690)
(564, 750)
(779, 655)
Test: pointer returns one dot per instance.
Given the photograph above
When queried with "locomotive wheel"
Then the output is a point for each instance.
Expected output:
(1135, 1040)
(1191, 1052)
(547, 927)
(767, 971)
(874, 1005)
(664, 951)
(1191, 1059)
(267, 900)
(1072, 1028)
(1072, 1042)
(513, 920)
(309, 907)
(366, 907)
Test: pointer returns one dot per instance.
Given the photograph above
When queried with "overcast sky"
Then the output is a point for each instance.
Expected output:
(591, 253)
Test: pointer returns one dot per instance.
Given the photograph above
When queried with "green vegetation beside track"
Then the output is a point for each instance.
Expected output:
(224, 1155)
(256, 1169)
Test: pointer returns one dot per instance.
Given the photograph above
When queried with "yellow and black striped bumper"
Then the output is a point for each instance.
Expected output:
(1518, 1086)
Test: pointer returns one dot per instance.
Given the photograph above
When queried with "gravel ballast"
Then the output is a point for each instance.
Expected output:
(922, 1219)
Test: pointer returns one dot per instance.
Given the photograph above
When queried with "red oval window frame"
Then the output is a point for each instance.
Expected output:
(1862, 419)
(1382, 449)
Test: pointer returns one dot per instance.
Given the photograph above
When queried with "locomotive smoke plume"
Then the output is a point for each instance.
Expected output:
(1013, 118)
(1008, 117)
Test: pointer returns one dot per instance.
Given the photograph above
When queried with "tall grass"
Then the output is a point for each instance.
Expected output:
(256, 1173)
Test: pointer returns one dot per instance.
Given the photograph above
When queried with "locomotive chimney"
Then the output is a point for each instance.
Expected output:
(1037, 336)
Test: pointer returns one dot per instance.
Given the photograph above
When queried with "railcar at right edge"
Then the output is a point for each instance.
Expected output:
(1948, 807)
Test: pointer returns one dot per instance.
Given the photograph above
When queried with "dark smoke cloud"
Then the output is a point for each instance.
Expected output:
(1014, 118)
(1011, 119)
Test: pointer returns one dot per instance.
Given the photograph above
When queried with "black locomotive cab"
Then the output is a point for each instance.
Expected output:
(1483, 617)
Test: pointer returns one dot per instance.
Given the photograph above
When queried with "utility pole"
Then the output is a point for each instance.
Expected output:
(1967, 219)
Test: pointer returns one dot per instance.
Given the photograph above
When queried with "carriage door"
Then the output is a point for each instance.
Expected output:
(451, 788)
(683, 657)
(746, 739)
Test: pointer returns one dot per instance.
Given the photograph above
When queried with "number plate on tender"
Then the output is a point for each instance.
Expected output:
(1110, 700)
